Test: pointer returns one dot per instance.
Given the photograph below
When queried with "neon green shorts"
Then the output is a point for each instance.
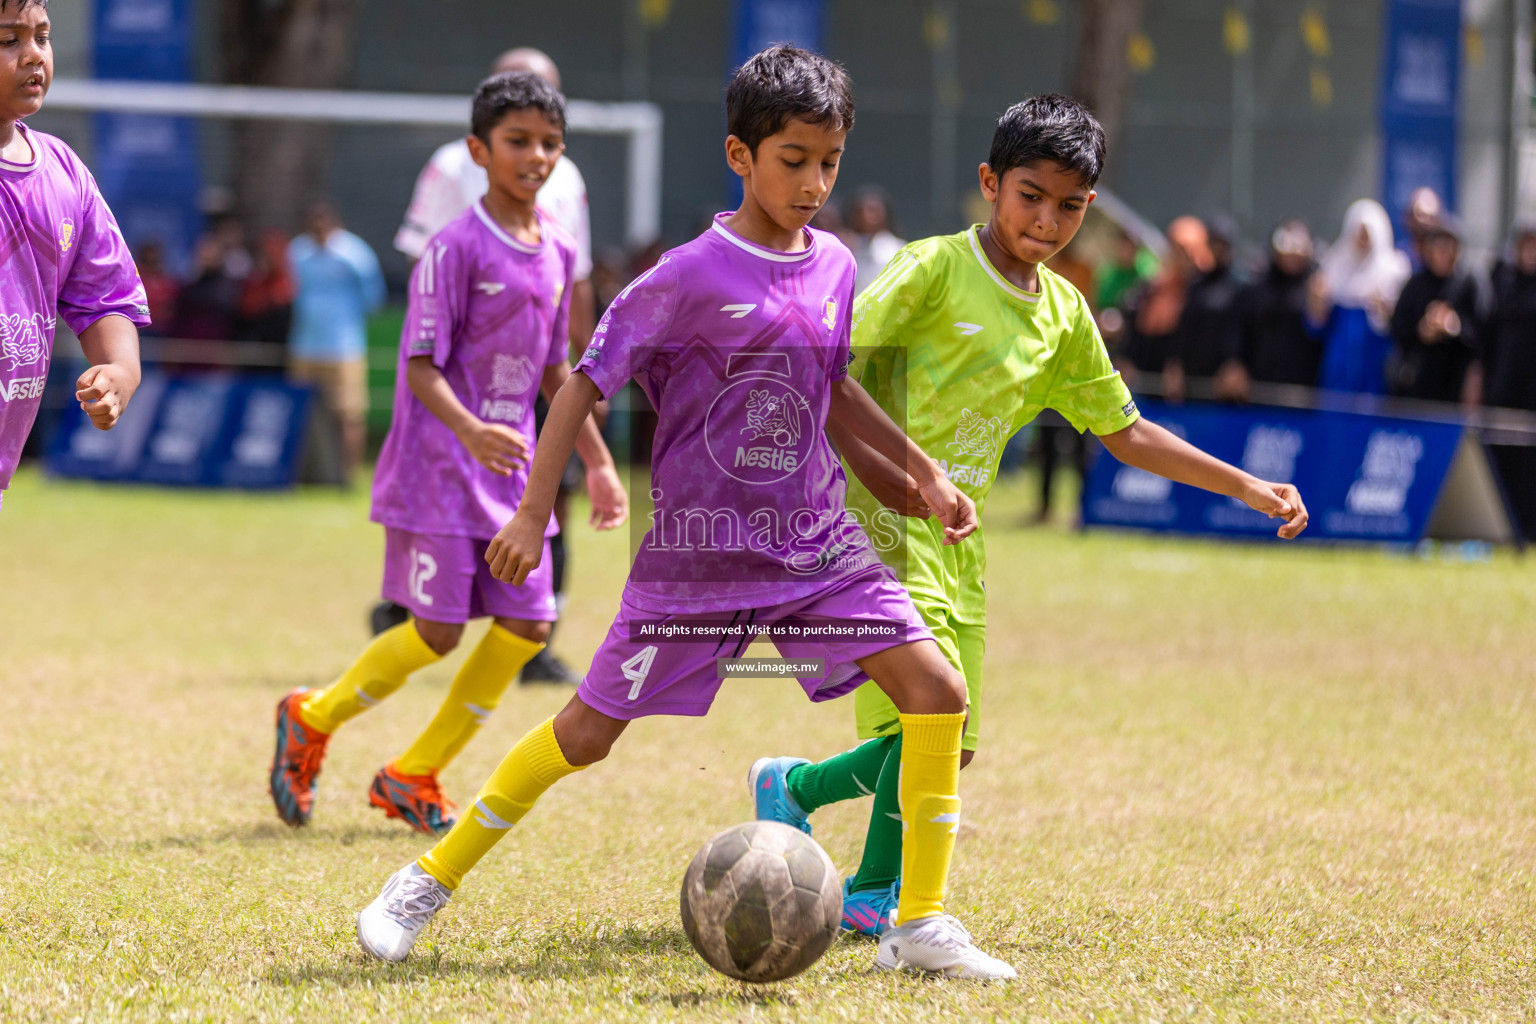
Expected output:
(963, 643)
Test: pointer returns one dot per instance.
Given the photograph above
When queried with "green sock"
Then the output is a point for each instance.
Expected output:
(882, 843)
(851, 774)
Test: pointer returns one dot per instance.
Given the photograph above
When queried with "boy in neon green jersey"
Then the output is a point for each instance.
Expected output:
(966, 338)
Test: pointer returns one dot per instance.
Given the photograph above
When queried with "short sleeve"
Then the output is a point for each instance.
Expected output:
(435, 308)
(1087, 389)
(628, 335)
(560, 331)
(102, 279)
(436, 200)
(882, 312)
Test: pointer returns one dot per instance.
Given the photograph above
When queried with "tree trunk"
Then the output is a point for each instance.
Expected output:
(1104, 32)
(279, 166)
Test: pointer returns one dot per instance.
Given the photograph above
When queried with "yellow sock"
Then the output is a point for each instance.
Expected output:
(476, 691)
(930, 810)
(382, 669)
(532, 766)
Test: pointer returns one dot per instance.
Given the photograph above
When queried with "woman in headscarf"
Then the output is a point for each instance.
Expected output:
(1352, 296)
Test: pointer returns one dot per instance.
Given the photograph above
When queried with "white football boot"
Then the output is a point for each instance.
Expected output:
(938, 945)
(387, 927)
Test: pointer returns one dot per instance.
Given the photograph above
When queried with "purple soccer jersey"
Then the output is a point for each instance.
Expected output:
(737, 347)
(60, 251)
(492, 313)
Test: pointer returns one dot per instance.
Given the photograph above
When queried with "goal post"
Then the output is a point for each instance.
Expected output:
(639, 123)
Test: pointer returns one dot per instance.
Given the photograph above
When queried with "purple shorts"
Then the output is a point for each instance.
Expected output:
(633, 676)
(445, 579)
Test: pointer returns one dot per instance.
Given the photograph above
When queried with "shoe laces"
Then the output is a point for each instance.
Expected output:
(416, 899)
(947, 931)
(306, 763)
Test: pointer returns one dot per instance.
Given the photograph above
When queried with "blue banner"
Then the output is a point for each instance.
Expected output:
(148, 166)
(208, 430)
(761, 23)
(1419, 102)
(1363, 477)
(758, 24)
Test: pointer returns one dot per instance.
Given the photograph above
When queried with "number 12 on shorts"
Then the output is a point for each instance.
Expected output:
(637, 668)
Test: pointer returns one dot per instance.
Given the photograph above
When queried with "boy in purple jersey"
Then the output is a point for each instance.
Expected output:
(484, 332)
(741, 341)
(60, 253)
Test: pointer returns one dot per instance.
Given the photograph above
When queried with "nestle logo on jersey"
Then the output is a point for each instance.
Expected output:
(22, 387)
(784, 460)
(507, 409)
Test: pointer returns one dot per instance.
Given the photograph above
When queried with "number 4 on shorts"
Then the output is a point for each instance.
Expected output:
(637, 668)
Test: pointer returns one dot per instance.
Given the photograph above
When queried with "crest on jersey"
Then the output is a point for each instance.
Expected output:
(23, 340)
(978, 435)
(829, 314)
(66, 234)
(760, 428)
(511, 375)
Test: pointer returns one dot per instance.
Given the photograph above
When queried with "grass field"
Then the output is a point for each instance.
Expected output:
(1216, 782)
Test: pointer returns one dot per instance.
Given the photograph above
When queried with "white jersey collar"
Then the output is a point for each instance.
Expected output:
(762, 251)
(495, 229)
(32, 143)
(974, 236)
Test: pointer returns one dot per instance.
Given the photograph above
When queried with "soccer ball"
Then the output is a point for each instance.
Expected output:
(761, 901)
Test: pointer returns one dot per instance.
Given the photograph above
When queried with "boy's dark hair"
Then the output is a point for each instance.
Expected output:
(21, 5)
(499, 95)
(783, 83)
(1049, 127)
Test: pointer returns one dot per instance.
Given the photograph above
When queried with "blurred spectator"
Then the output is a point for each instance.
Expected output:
(1351, 298)
(1207, 336)
(1422, 212)
(1117, 278)
(266, 300)
(160, 288)
(337, 283)
(1436, 321)
(1275, 343)
(870, 234)
(207, 305)
(1510, 352)
(230, 233)
(828, 218)
(1153, 311)
(1071, 264)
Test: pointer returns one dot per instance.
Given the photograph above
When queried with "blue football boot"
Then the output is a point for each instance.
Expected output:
(770, 793)
(869, 912)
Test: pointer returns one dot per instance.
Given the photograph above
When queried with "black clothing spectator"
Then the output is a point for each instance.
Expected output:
(1276, 342)
(1436, 321)
(1509, 352)
(1207, 334)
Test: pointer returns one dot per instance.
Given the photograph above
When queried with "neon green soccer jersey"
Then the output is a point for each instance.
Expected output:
(961, 359)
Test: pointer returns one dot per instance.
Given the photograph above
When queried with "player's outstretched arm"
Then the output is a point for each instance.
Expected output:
(890, 485)
(111, 344)
(516, 549)
(610, 502)
(854, 411)
(1148, 446)
(495, 446)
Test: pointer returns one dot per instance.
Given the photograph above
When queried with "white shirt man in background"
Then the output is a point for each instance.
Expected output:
(450, 184)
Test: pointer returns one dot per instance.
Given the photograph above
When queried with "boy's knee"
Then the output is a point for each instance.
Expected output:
(528, 629)
(949, 690)
(442, 637)
(585, 736)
